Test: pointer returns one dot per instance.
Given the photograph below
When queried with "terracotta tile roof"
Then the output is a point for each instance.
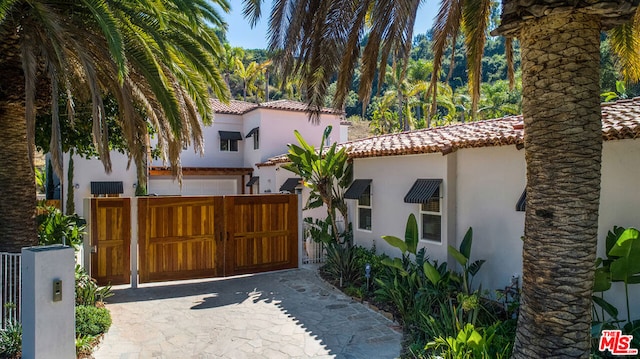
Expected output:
(620, 120)
(295, 106)
(235, 107)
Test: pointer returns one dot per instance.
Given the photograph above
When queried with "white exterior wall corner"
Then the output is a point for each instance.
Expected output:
(620, 206)
(86, 171)
(490, 181)
(212, 156)
(392, 177)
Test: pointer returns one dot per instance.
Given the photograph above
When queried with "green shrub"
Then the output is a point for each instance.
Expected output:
(473, 342)
(11, 340)
(84, 344)
(53, 226)
(340, 263)
(87, 290)
(91, 320)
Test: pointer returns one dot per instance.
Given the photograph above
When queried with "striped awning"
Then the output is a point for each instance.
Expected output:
(112, 187)
(422, 190)
(252, 181)
(290, 185)
(357, 188)
(252, 132)
(230, 135)
(522, 202)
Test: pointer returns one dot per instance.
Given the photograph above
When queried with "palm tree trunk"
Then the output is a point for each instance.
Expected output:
(563, 142)
(18, 204)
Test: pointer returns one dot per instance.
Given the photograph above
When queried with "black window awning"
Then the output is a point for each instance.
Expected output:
(252, 181)
(252, 132)
(522, 202)
(290, 185)
(112, 187)
(422, 190)
(357, 188)
(230, 135)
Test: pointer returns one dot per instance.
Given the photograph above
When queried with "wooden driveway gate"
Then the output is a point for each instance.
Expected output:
(203, 237)
(110, 240)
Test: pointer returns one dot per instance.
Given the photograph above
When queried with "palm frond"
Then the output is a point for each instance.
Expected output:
(475, 19)
(625, 42)
(104, 18)
(252, 11)
(445, 31)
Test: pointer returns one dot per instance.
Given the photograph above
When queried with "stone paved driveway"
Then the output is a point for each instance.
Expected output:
(287, 314)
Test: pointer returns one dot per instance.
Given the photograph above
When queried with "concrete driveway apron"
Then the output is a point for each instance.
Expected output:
(286, 314)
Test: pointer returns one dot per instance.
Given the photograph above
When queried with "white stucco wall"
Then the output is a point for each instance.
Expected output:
(251, 156)
(212, 156)
(86, 171)
(490, 181)
(392, 178)
(276, 130)
(485, 186)
(620, 205)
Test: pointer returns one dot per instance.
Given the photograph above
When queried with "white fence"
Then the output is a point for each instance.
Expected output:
(313, 251)
(10, 274)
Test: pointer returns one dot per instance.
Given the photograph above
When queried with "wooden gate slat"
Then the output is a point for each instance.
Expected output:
(262, 233)
(111, 236)
(179, 238)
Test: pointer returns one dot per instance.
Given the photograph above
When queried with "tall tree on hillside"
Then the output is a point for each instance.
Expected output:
(561, 108)
(154, 55)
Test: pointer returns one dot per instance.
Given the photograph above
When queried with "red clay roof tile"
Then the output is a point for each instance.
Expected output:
(620, 120)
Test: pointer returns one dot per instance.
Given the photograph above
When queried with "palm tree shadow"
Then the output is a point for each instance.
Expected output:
(296, 299)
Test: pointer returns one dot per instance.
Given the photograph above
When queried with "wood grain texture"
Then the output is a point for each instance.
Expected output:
(111, 234)
(179, 238)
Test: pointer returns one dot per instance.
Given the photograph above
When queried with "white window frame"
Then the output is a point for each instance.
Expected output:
(369, 207)
(439, 213)
(229, 147)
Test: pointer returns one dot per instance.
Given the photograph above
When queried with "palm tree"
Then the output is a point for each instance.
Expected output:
(154, 55)
(561, 108)
(230, 61)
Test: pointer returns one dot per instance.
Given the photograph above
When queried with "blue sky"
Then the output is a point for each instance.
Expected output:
(240, 33)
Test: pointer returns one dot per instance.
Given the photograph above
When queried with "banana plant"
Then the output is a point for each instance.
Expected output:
(326, 173)
(621, 265)
(463, 256)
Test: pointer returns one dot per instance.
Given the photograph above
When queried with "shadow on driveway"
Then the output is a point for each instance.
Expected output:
(286, 314)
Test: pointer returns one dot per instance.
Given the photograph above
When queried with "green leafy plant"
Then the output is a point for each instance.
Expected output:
(57, 228)
(87, 290)
(92, 320)
(319, 230)
(463, 257)
(404, 277)
(341, 263)
(11, 340)
(326, 173)
(471, 342)
(85, 344)
(71, 206)
(622, 264)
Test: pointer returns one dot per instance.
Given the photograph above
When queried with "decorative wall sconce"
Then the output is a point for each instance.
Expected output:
(76, 185)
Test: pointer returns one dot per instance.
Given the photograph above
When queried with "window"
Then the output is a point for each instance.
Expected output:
(255, 132)
(360, 190)
(229, 145)
(426, 193)
(229, 140)
(364, 209)
(431, 218)
(256, 140)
